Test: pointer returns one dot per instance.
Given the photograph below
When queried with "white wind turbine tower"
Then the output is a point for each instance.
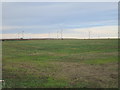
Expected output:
(57, 34)
(61, 32)
(18, 35)
(49, 35)
(89, 34)
(118, 33)
(22, 34)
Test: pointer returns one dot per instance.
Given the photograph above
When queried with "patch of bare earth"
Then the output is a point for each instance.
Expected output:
(95, 76)
(101, 76)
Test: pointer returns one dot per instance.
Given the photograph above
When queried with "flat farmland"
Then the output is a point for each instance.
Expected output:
(60, 63)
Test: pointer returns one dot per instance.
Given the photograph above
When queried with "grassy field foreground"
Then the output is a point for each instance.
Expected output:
(60, 63)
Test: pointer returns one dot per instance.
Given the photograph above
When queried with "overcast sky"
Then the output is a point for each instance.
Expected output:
(75, 19)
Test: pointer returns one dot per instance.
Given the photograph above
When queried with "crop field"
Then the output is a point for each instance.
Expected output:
(60, 63)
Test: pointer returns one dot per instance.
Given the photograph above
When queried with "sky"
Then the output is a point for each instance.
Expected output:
(46, 19)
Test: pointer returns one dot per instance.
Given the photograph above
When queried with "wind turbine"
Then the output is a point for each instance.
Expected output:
(57, 34)
(61, 32)
(89, 34)
(22, 34)
(18, 35)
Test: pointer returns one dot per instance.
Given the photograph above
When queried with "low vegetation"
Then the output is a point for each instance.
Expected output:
(60, 63)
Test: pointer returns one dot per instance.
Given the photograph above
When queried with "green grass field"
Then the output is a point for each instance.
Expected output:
(60, 63)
